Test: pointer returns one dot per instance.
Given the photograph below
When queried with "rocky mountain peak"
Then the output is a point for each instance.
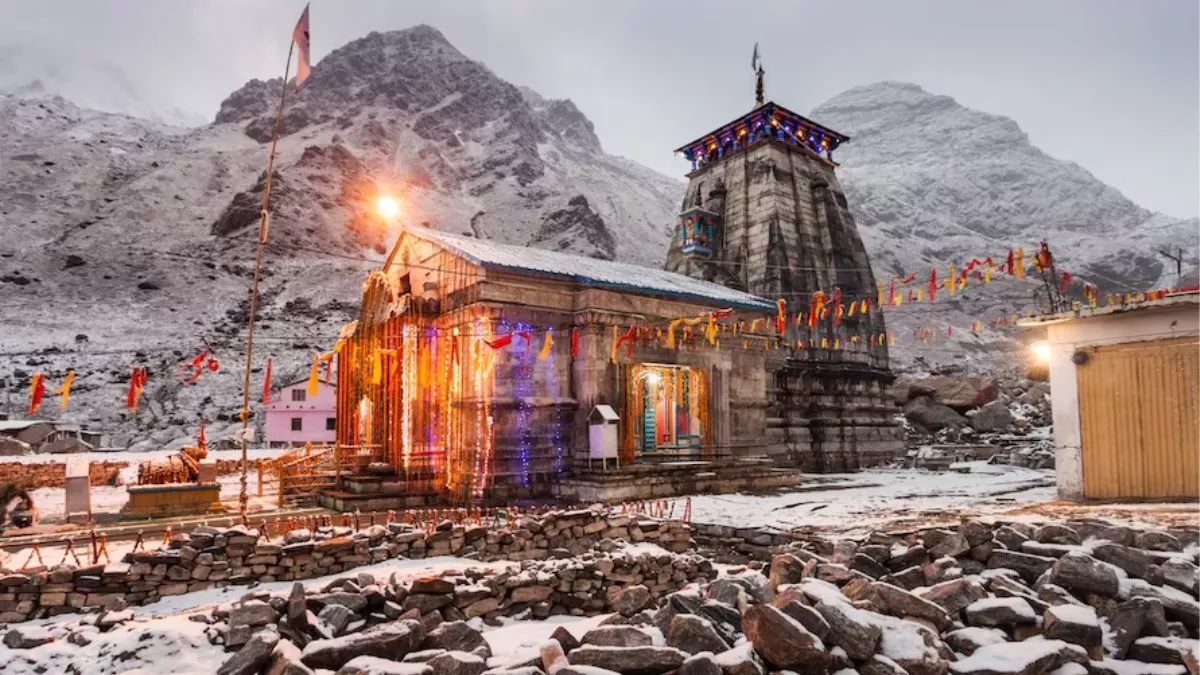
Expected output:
(576, 229)
(560, 118)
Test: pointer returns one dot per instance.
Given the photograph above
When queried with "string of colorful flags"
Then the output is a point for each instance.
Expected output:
(705, 329)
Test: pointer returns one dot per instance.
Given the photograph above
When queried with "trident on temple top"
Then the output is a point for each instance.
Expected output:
(756, 66)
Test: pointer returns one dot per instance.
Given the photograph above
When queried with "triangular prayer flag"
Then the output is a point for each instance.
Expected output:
(266, 394)
(500, 342)
(65, 390)
(547, 345)
(301, 37)
(574, 342)
(314, 376)
(37, 389)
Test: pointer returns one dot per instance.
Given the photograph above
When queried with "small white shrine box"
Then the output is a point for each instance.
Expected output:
(78, 486)
(603, 423)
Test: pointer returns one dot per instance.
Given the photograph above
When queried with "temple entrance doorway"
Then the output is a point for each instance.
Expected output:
(670, 409)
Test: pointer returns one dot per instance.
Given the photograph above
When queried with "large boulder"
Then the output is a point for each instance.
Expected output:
(453, 635)
(967, 640)
(389, 640)
(930, 416)
(694, 635)
(1029, 566)
(1019, 658)
(785, 569)
(1075, 624)
(954, 595)
(741, 660)
(992, 417)
(456, 663)
(851, 629)
(960, 393)
(251, 658)
(1134, 561)
(991, 612)
(901, 603)
(808, 617)
(1081, 573)
(700, 664)
(783, 642)
(629, 660)
(631, 600)
(912, 645)
(619, 636)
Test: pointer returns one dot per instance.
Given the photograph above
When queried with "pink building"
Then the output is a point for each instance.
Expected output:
(294, 417)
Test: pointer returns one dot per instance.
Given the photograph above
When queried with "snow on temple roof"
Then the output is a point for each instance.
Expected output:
(590, 271)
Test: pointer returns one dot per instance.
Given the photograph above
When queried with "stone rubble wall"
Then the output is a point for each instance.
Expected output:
(54, 474)
(210, 557)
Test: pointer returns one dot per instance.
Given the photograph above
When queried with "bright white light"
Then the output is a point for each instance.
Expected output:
(388, 207)
(1041, 351)
(653, 377)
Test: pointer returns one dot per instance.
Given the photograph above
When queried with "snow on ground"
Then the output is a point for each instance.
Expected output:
(170, 645)
(517, 640)
(51, 501)
(161, 639)
(884, 496)
(105, 499)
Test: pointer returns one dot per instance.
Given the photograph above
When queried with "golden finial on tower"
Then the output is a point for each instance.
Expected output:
(756, 66)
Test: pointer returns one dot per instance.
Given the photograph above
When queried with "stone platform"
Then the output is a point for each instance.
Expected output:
(674, 479)
(184, 499)
(650, 480)
(367, 493)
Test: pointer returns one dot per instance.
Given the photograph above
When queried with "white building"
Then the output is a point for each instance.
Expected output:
(1125, 393)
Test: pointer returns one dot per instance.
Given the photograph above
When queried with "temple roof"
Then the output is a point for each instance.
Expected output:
(590, 271)
(767, 110)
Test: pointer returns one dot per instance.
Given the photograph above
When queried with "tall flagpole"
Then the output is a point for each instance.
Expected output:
(263, 228)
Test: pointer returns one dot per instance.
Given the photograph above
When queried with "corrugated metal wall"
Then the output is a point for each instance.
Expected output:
(1138, 417)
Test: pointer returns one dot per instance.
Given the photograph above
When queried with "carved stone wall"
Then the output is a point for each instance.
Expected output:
(786, 232)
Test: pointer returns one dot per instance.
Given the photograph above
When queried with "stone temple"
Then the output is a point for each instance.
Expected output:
(485, 372)
(764, 214)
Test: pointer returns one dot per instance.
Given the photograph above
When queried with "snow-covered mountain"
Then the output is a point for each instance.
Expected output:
(125, 241)
(42, 71)
(931, 182)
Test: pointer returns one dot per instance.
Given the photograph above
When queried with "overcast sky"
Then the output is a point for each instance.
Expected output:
(1111, 84)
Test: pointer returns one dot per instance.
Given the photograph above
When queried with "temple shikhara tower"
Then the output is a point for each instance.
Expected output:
(764, 214)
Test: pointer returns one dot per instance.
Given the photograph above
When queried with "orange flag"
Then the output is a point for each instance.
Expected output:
(65, 390)
(300, 37)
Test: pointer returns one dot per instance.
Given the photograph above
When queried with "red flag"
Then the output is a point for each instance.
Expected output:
(1066, 282)
(933, 284)
(37, 390)
(502, 341)
(574, 342)
(267, 383)
(137, 382)
(300, 37)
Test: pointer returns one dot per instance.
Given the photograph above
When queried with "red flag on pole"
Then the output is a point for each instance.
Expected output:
(300, 37)
(267, 384)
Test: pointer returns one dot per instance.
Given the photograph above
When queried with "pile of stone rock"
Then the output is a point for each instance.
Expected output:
(209, 557)
(981, 598)
(951, 407)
